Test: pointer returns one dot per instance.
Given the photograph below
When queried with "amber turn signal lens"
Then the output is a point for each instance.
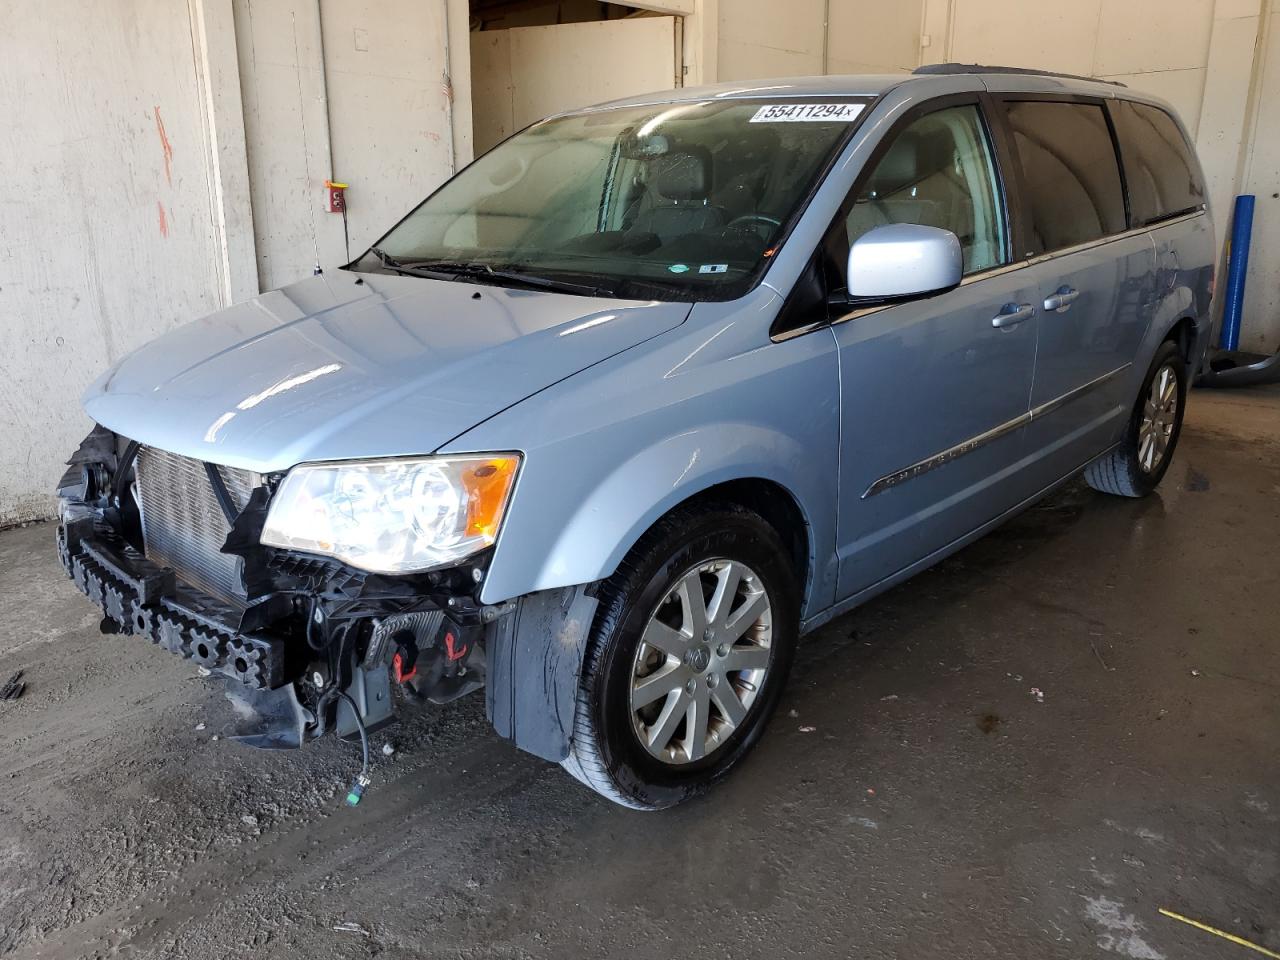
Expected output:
(488, 484)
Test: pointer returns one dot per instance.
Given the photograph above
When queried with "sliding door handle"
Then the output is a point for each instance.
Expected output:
(1061, 299)
(1013, 314)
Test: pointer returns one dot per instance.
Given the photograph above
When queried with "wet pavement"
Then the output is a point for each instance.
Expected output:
(1025, 752)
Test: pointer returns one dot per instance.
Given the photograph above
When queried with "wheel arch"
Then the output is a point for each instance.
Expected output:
(775, 504)
(749, 464)
(1175, 318)
(1181, 313)
(1185, 333)
(532, 684)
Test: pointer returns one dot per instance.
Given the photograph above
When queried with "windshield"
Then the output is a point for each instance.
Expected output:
(679, 201)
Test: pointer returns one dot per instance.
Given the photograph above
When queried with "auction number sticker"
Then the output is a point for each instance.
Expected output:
(807, 112)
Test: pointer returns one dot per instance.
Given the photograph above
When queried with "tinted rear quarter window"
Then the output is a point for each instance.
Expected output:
(1160, 169)
(1070, 175)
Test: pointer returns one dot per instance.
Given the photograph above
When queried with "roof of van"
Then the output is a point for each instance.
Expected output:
(874, 85)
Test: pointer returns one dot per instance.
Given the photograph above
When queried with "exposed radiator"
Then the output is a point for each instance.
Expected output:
(182, 525)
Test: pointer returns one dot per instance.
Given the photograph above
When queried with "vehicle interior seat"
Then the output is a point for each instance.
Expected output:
(919, 181)
(676, 203)
(744, 169)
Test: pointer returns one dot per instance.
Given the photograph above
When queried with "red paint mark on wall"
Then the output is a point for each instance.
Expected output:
(166, 146)
(164, 219)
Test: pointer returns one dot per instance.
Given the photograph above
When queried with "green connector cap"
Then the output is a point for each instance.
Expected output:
(357, 790)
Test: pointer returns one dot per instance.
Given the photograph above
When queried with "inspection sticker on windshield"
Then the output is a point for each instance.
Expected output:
(807, 112)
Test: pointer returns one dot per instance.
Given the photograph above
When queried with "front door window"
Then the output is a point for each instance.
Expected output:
(939, 172)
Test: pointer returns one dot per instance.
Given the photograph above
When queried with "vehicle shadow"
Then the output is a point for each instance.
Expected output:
(937, 591)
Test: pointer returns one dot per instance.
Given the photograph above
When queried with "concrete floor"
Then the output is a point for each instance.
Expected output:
(936, 809)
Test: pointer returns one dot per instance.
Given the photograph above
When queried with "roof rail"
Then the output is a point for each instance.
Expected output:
(950, 69)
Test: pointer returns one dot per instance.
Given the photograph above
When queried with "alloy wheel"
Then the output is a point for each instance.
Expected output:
(701, 661)
(1159, 416)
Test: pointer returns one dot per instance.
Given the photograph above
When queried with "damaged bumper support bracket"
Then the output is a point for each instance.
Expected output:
(143, 599)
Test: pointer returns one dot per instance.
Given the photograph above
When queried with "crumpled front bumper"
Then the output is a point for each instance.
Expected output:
(143, 599)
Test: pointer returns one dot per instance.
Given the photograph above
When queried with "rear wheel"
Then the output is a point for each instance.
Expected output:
(1136, 466)
(690, 650)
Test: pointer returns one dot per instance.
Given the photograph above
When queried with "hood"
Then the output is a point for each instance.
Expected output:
(332, 369)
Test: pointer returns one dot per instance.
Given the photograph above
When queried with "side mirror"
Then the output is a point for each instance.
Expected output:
(900, 260)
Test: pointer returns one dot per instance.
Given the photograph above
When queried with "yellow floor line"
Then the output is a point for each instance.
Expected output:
(1221, 933)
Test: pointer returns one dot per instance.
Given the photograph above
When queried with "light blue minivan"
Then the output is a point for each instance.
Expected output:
(643, 395)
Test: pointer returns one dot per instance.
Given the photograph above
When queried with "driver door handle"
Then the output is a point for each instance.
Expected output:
(1012, 314)
(1061, 299)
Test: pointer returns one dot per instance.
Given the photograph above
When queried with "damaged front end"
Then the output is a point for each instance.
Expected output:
(170, 549)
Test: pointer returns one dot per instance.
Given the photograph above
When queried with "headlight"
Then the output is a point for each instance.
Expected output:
(393, 516)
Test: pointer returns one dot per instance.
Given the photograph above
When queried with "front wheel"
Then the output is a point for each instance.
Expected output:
(1136, 466)
(690, 650)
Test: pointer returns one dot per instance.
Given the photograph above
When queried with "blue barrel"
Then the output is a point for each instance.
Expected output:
(1237, 268)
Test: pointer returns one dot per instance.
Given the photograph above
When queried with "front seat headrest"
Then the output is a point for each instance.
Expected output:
(682, 177)
(899, 167)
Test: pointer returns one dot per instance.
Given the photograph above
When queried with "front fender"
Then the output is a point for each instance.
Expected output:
(609, 451)
(640, 490)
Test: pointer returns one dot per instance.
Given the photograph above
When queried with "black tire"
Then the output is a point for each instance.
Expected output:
(606, 753)
(1120, 472)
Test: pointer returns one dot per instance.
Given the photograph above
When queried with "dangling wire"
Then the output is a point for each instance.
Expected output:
(362, 781)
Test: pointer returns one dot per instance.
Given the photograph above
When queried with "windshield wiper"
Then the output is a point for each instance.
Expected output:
(391, 263)
(485, 271)
(452, 269)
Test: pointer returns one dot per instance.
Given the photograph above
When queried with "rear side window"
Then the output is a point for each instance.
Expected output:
(1160, 170)
(1070, 174)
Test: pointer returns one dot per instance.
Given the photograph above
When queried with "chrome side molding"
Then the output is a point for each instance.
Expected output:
(981, 440)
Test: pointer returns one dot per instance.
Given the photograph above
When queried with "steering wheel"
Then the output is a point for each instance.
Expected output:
(753, 220)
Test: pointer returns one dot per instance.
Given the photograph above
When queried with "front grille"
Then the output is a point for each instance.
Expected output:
(182, 525)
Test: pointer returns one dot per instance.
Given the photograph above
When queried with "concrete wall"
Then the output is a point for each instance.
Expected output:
(107, 223)
(386, 130)
(1260, 175)
(152, 150)
(1111, 39)
(874, 37)
(766, 38)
